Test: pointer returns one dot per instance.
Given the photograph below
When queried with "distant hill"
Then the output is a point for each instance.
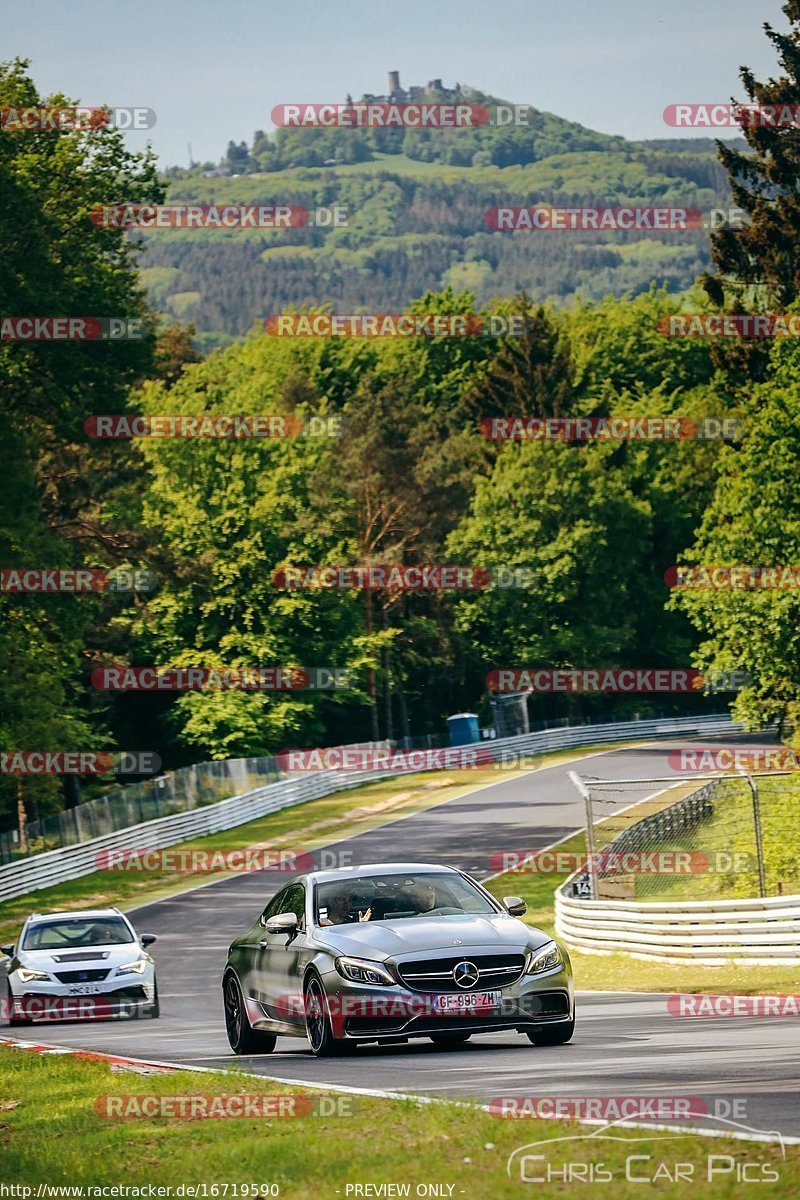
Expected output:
(417, 202)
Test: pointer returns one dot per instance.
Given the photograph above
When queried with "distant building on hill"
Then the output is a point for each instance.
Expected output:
(396, 94)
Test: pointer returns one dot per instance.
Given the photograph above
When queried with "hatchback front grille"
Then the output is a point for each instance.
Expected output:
(436, 974)
(81, 976)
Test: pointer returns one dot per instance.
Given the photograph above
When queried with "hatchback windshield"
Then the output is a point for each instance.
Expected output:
(398, 897)
(73, 932)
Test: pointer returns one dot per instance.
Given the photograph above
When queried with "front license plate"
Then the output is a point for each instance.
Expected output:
(84, 989)
(466, 1003)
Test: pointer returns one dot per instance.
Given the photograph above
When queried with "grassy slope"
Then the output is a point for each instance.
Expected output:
(50, 1133)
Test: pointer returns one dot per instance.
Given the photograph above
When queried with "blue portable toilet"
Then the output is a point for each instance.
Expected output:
(464, 729)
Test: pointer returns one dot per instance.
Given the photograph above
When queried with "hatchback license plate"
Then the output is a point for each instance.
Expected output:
(84, 989)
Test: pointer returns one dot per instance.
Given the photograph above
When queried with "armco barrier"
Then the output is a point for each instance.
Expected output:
(57, 866)
(711, 932)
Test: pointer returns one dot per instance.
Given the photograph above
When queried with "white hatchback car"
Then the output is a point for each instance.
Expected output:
(68, 965)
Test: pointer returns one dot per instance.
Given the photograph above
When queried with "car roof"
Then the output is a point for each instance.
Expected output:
(344, 873)
(89, 914)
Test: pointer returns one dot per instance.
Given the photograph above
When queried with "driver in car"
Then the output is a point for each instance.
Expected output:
(340, 908)
(423, 897)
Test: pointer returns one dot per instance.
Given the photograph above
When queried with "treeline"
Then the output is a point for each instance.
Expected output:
(406, 236)
(408, 480)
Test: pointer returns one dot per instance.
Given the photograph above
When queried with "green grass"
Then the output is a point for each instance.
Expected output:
(52, 1134)
(730, 832)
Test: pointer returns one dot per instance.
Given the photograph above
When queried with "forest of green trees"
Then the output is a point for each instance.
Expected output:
(410, 479)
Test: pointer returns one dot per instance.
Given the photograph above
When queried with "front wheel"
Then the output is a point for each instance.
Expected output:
(153, 1009)
(318, 1023)
(242, 1037)
(555, 1035)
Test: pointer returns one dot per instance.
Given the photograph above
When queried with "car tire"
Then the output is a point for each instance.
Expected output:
(318, 1023)
(153, 1009)
(556, 1035)
(450, 1040)
(243, 1039)
(10, 1001)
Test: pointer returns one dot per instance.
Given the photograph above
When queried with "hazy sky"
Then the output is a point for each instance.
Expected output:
(213, 71)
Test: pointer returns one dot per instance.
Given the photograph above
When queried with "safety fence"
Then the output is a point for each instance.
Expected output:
(718, 867)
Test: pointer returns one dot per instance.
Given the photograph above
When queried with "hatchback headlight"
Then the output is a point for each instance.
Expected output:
(361, 970)
(133, 968)
(26, 975)
(544, 959)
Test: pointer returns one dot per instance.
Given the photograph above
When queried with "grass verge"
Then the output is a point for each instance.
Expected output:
(51, 1133)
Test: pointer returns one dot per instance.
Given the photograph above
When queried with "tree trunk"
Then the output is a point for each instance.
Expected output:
(386, 658)
(372, 686)
(22, 816)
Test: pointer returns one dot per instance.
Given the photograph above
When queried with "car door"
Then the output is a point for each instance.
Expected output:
(255, 951)
(284, 958)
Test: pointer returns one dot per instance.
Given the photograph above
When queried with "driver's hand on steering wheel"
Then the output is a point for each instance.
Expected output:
(365, 916)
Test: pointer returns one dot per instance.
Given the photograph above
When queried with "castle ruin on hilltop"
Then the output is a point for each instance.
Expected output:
(399, 95)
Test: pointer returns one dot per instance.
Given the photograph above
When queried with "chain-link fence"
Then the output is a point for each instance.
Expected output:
(726, 837)
(179, 791)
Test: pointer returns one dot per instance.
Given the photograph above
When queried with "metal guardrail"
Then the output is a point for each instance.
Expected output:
(711, 932)
(71, 862)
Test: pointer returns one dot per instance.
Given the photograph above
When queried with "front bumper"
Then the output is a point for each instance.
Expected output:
(363, 1013)
(49, 1000)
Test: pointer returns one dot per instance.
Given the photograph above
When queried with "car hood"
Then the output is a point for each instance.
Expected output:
(412, 935)
(88, 958)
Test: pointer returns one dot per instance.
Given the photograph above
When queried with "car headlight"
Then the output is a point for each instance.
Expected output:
(26, 975)
(544, 959)
(133, 968)
(361, 970)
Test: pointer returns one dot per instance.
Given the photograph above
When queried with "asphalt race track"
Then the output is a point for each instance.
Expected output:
(624, 1044)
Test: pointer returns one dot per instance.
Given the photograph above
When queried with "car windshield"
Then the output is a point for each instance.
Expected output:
(398, 897)
(73, 932)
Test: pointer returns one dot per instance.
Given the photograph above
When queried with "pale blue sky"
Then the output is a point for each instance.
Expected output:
(213, 71)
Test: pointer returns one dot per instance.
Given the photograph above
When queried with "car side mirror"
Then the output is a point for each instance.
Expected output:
(147, 939)
(9, 950)
(515, 905)
(281, 923)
